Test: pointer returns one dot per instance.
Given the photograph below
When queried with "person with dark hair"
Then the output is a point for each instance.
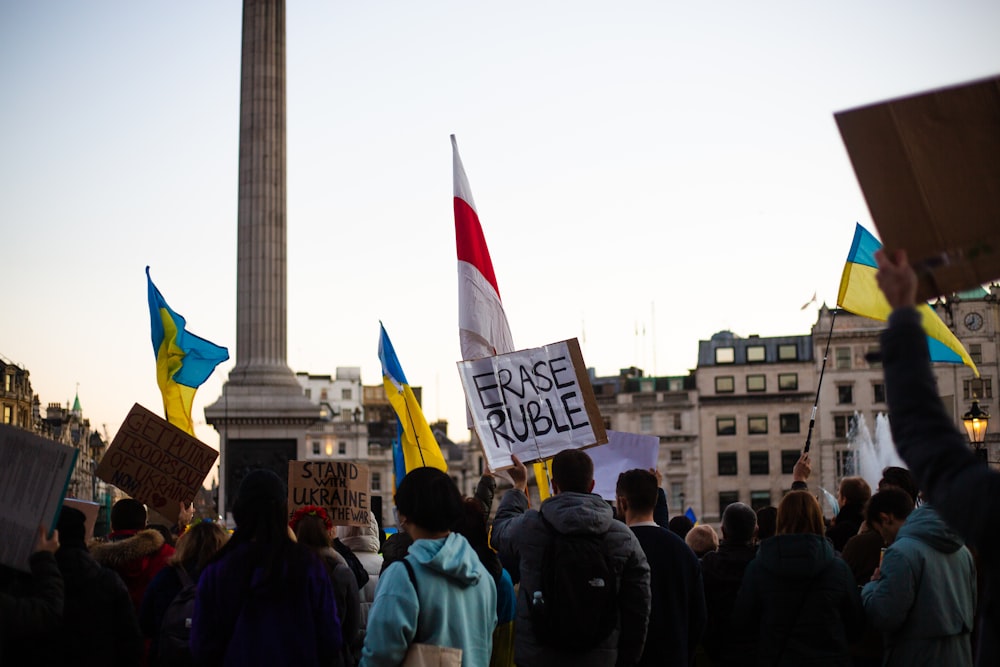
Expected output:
(195, 548)
(854, 492)
(798, 599)
(524, 535)
(30, 606)
(677, 610)
(680, 525)
(135, 552)
(98, 625)
(722, 574)
(263, 599)
(923, 595)
(472, 526)
(312, 527)
(767, 523)
(440, 593)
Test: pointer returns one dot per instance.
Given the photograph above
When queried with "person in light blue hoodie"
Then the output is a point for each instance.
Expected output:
(450, 600)
(923, 595)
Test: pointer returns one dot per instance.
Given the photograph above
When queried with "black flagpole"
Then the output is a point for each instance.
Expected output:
(812, 418)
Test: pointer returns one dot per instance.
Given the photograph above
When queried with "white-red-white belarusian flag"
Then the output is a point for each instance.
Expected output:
(482, 323)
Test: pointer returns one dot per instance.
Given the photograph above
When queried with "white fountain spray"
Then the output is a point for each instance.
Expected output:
(869, 456)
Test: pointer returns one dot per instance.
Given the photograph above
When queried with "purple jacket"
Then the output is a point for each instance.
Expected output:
(238, 620)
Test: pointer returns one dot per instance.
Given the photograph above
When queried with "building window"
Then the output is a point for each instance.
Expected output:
(675, 385)
(725, 355)
(878, 392)
(788, 352)
(873, 355)
(756, 354)
(845, 463)
(676, 456)
(7, 414)
(8, 381)
(843, 425)
(322, 394)
(677, 495)
(316, 448)
(725, 426)
(976, 353)
(725, 384)
(727, 498)
(677, 421)
(376, 481)
(756, 383)
(342, 448)
(345, 394)
(309, 393)
(645, 423)
(845, 394)
(759, 463)
(759, 499)
(842, 357)
(788, 381)
(727, 463)
(757, 424)
(789, 457)
(978, 389)
(788, 422)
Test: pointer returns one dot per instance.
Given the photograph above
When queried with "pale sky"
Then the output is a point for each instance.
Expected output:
(659, 167)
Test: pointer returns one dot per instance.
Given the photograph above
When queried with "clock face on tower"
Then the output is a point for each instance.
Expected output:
(973, 321)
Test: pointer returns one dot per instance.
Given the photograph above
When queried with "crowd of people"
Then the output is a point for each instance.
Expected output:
(577, 580)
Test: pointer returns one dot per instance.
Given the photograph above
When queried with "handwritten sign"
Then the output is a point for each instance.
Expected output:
(155, 462)
(624, 451)
(341, 487)
(34, 473)
(532, 403)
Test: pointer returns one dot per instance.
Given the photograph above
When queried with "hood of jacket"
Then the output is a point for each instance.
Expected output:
(450, 556)
(128, 553)
(926, 525)
(577, 513)
(800, 555)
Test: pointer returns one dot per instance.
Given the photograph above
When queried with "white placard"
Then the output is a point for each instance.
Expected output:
(624, 451)
(532, 403)
(34, 473)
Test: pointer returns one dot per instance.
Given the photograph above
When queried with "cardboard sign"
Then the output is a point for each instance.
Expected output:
(624, 451)
(532, 403)
(929, 167)
(343, 488)
(34, 474)
(155, 462)
(90, 511)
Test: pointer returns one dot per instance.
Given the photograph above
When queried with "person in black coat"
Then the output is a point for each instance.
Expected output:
(853, 494)
(30, 604)
(722, 573)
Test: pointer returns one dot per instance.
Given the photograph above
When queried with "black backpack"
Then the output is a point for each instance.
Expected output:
(175, 632)
(576, 607)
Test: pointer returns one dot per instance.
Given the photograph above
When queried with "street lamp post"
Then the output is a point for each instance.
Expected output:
(975, 421)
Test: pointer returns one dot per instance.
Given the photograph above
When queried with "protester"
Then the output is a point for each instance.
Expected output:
(798, 599)
(440, 594)
(722, 575)
(195, 548)
(680, 526)
(677, 611)
(395, 548)
(30, 607)
(312, 527)
(98, 626)
(852, 495)
(364, 544)
(525, 535)
(767, 523)
(263, 599)
(951, 476)
(702, 539)
(923, 595)
(135, 552)
(472, 526)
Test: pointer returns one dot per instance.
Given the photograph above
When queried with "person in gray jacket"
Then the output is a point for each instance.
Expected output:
(923, 595)
(520, 534)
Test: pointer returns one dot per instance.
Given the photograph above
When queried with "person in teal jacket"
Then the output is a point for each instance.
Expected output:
(451, 599)
(923, 595)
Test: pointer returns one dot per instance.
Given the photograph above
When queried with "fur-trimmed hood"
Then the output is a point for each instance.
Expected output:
(130, 551)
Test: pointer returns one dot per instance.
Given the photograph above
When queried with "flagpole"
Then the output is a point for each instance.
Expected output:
(819, 384)
(416, 437)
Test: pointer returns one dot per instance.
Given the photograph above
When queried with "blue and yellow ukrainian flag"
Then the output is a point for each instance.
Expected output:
(419, 447)
(860, 294)
(183, 361)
